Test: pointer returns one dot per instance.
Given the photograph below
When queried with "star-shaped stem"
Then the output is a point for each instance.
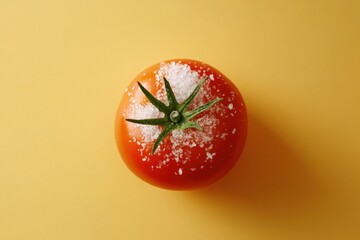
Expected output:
(176, 115)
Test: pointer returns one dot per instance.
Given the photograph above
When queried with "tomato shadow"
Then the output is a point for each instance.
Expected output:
(270, 178)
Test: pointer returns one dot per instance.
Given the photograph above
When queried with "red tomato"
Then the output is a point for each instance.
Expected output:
(186, 158)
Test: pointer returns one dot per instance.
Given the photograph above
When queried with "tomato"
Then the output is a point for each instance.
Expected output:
(197, 148)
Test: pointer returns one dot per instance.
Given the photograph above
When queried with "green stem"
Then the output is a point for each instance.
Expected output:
(176, 115)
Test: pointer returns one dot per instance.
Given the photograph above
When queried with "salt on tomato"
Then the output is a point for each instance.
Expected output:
(188, 157)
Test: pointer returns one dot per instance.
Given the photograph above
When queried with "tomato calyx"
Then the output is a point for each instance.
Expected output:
(176, 116)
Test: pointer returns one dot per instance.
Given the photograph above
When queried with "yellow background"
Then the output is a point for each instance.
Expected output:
(64, 65)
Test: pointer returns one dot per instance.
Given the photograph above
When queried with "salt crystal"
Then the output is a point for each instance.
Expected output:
(231, 106)
(180, 171)
(223, 136)
(211, 76)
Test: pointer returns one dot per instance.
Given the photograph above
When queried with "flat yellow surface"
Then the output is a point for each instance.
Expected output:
(65, 63)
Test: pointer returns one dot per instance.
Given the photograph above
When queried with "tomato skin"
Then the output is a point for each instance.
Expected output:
(197, 165)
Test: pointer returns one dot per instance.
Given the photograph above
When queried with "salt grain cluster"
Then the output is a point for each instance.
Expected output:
(183, 81)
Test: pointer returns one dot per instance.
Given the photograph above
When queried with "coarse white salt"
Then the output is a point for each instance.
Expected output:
(233, 131)
(211, 76)
(183, 81)
(223, 136)
(231, 106)
(139, 111)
